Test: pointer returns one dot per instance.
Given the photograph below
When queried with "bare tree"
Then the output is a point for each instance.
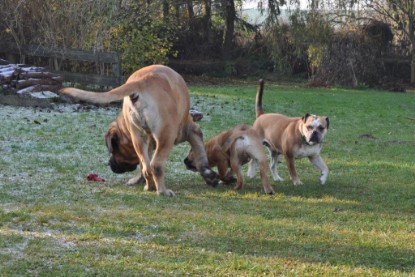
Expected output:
(401, 14)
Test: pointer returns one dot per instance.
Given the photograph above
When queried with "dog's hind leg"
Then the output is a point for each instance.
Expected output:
(261, 159)
(141, 147)
(258, 156)
(275, 158)
(236, 168)
(163, 145)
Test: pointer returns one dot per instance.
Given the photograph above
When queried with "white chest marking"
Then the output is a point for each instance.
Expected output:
(308, 150)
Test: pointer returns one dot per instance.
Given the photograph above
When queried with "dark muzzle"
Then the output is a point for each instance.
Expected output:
(119, 168)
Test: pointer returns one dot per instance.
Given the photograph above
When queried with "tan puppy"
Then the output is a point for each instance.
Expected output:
(232, 149)
(155, 117)
(293, 137)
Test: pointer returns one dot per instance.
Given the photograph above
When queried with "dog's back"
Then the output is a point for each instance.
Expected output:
(142, 81)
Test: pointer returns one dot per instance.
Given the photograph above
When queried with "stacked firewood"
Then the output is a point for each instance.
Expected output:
(25, 79)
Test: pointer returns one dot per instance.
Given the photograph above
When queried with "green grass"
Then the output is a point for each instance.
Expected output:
(53, 222)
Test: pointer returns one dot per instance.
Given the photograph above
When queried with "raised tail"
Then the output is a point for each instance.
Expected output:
(258, 101)
(102, 97)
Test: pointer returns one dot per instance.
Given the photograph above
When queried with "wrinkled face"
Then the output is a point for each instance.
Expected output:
(314, 128)
(188, 161)
(123, 156)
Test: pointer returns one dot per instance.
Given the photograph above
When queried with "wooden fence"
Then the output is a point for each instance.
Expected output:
(104, 67)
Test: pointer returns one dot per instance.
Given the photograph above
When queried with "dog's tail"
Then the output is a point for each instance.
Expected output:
(258, 101)
(102, 97)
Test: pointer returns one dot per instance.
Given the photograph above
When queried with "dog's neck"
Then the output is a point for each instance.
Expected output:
(304, 140)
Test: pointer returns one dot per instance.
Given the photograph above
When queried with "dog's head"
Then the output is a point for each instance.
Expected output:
(123, 156)
(314, 128)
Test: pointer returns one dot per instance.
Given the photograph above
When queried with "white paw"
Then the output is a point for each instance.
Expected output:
(277, 178)
(323, 178)
(297, 182)
(136, 181)
(167, 192)
(251, 169)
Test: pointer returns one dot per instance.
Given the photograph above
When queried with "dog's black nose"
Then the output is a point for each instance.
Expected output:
(315, 137)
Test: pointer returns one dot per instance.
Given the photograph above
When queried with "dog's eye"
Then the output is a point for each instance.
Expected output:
(321, 128)
(309, 127)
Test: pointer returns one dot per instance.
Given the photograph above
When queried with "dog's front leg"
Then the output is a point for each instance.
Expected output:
(195, 138)
(252, 165)
(320, 164)
(137, 180)
(225, 175)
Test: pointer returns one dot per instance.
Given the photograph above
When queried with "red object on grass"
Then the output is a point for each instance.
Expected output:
(94, 177)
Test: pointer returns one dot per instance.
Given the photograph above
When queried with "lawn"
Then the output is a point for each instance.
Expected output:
(53, 222)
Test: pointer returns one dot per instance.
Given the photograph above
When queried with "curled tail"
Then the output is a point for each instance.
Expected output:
(102, 97)
(258, 101)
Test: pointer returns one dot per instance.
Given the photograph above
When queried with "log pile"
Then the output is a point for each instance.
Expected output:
(24, 79)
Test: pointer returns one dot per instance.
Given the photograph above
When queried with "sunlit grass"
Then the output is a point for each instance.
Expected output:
(53, 222)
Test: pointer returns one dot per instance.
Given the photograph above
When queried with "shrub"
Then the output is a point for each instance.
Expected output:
(353, 58)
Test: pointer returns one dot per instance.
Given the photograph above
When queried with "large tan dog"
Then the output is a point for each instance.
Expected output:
(293, 137)
(232, 149)
(155, 117)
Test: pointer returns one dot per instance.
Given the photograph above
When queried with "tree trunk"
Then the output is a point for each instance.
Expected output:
(207, 14)
(190, 11)
(230, 16)
(413, 64)
(166, 8)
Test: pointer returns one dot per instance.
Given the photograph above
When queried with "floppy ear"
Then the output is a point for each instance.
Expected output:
(305, 117)
(328, 122)
(111, 140)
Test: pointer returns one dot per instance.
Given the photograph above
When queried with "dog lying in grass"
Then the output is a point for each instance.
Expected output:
(230, 150)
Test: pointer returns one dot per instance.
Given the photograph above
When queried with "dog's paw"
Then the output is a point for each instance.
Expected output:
(149, 188)
(167, 192)
(251, 170)
(271, 192)
(323, 179)
(238, 186)
(297, 182)
(137, 180)
(277, 178)
(211, 177)
(229, 180)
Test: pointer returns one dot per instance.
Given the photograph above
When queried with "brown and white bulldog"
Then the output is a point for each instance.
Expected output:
(155, 116)
(232, 149)
(293, 137)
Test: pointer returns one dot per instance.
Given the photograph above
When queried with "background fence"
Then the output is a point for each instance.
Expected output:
(84, 67)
